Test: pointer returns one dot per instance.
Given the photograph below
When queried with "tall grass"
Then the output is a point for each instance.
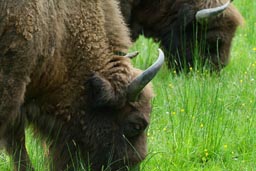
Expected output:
(204, 121)
(200, 121)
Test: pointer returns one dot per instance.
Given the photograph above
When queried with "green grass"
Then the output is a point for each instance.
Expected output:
(200, 121)
(203, 121)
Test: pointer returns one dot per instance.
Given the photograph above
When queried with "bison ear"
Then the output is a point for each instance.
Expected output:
(100, 93)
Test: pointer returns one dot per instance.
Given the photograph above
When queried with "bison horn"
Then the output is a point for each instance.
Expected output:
(143, 79)
(207, 13)
(131, 55)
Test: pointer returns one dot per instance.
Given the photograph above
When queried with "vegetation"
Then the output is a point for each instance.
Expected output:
(201, 121)
(204, 121)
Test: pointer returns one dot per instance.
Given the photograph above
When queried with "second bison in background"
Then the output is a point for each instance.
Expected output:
(186, 29)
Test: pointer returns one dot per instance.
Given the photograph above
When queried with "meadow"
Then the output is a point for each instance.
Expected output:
(200, 121)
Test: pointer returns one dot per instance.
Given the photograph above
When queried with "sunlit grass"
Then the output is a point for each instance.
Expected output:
(204, 121)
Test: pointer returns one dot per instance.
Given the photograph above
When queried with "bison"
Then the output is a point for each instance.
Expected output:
(186, 29)
(61, 73)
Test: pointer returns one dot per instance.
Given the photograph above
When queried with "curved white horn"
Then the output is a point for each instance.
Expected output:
(143, 79)
(210, 12)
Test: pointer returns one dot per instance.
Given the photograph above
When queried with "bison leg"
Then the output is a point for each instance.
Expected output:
(11, 98)
(15, 138)
(64, 156)
(17, 58)
(12, 91)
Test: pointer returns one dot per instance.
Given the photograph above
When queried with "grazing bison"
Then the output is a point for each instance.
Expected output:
(59, 70)
(186, 28)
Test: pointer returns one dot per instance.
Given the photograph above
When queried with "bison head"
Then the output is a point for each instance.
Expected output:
(118, 122)
(187, 29)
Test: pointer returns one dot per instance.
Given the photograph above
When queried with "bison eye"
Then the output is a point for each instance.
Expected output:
(134, 127)
(137, 127)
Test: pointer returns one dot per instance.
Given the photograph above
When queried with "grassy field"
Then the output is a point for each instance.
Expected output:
(200, 121)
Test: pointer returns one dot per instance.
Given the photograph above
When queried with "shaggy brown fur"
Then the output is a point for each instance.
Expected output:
(173, 23)
(57, 68)
(117, 35)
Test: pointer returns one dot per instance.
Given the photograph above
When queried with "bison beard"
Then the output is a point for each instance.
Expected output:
(187, 34)
(59, 71)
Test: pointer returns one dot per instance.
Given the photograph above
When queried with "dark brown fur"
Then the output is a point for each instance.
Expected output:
(58, 71)
(173, 24)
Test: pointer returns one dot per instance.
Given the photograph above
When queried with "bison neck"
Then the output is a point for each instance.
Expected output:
(76, 47)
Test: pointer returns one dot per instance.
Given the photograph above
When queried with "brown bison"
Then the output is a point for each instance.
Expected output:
(60, 72)
(187, 29)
